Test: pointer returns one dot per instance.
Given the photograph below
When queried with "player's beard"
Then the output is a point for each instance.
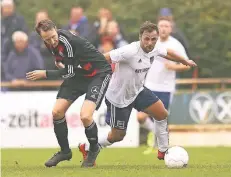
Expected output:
(149, 48)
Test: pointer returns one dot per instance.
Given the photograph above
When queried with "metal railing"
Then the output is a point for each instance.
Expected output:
(222, 82)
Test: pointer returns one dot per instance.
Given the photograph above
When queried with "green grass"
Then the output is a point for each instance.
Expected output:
(204, 162)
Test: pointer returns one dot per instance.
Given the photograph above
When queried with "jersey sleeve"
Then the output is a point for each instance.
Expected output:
(181, 50)
(69, 53)
(161, 51)
(121, 54)
(64, 73)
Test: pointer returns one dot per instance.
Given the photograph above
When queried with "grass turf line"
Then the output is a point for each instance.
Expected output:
(203, 162)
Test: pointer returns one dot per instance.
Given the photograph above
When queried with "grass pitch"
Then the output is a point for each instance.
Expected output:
(203, 162)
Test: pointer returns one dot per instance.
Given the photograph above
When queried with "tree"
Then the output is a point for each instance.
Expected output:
(206, 23)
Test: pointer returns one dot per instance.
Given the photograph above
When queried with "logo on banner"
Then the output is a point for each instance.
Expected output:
(29, 116)
(223, 111)
(202, 108)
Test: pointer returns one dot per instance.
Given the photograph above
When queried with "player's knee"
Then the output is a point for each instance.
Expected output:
(118, 135)
(57, 114)
(141, 118)
(163, 114)
(85, 116)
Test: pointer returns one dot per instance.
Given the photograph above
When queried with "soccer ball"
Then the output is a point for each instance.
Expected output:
(176, 157)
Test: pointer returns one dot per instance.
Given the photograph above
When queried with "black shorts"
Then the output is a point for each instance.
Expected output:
(119, 117)
(165, 97)
(95, 88)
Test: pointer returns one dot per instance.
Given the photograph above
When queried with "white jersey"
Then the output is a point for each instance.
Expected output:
(159, 78)
(132, 65)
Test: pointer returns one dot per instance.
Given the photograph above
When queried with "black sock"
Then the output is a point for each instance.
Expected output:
(61, 132)
(92, 136)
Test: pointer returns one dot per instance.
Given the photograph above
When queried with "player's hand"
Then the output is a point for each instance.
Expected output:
(189, 63)
(35, 75)
(59, 65)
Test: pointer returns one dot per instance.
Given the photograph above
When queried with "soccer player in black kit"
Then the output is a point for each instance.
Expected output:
(84, 70)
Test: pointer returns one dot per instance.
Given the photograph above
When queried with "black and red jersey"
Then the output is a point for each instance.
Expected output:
(78, 55)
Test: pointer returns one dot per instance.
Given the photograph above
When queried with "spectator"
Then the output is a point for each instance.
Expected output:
(99, 34)
(114, 31)
(10, 22)
(176, 32)
(37, 42)
(21, 59)
(105, 16)
(78, 23)
(112, 38)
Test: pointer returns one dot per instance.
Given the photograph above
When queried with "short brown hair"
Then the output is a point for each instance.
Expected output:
(165, 18)
(148, 26)
(44, 25)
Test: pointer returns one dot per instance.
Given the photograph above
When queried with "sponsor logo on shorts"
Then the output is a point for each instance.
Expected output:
(95, 90)
(93, 96)
(120, 124)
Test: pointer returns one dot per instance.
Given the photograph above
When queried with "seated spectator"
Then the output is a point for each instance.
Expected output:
(21, 59)
(36, 41)
(78, 23)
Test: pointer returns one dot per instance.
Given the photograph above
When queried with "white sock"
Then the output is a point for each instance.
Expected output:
(103, 142)
(148, 124)
(155, 140)
(161, 132)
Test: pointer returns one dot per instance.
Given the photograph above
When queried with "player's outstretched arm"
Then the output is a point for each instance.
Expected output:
(51, 74)
(171, 55)
(35, 75)
(178, 67)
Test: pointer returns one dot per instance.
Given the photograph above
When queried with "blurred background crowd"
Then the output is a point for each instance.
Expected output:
(22, 50)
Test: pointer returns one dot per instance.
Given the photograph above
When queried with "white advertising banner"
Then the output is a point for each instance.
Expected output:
(26, 122)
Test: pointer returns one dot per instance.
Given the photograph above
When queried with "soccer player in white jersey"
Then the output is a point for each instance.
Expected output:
(126, 90)
(162, 74)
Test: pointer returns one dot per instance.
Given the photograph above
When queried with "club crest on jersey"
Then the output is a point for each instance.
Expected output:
(151, 59)
(61, 53)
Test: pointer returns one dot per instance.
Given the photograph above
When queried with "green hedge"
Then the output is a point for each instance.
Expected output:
(206, 23)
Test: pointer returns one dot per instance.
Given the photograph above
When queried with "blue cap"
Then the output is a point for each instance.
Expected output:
(165, 12)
